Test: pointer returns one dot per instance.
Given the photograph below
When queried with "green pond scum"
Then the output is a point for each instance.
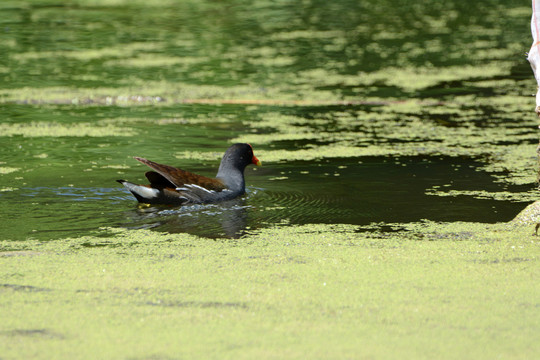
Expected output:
(422, 290)
(394, 216)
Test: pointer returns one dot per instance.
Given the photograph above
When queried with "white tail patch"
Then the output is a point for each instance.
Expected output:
(143, 191)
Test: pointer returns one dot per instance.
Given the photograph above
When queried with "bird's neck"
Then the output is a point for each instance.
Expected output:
(232, 178)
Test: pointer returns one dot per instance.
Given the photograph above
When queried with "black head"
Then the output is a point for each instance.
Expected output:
(237, 157)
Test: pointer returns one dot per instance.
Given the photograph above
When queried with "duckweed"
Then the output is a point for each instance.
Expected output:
(430, 286)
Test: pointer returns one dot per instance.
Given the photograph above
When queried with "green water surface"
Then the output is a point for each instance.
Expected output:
(397, 139)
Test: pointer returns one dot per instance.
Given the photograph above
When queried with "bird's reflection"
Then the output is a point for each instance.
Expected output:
(225, 219)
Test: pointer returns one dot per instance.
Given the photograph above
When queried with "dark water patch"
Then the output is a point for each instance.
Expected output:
(25, 288)
(381, 189)
(199, 304)
(457, 236)
(100, 244)
(455, 88)
(374, 190)
(503, 260)
(48, 213)
(39, 333)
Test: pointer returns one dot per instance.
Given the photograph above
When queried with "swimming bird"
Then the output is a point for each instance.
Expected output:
(173, 186)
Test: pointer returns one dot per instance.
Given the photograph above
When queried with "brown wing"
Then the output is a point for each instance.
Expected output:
(179, 177)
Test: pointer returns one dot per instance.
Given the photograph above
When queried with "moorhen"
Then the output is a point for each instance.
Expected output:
(172, 186)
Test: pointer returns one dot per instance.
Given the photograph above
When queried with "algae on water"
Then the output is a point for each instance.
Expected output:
(343, 289)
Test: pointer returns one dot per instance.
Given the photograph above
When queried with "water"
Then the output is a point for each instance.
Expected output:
(362, 112)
